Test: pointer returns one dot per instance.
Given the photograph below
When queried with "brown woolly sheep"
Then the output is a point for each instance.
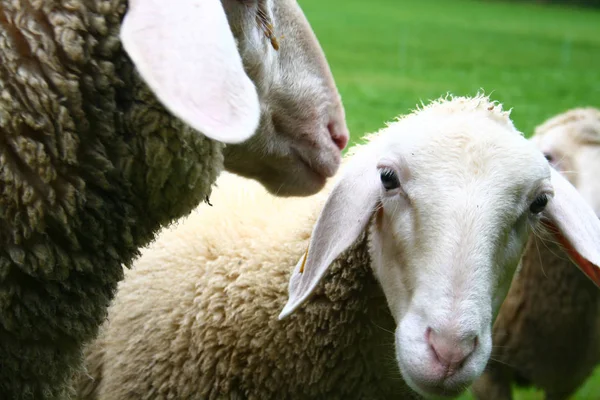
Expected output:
(113, 119)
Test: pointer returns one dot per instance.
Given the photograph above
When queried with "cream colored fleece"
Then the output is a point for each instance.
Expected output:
(197, 316)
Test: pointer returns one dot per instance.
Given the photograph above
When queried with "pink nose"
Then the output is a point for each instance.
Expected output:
(450, 352)
(339, 134)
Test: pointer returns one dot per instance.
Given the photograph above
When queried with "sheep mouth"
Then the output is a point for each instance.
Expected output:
(320, 167)
(302, 175)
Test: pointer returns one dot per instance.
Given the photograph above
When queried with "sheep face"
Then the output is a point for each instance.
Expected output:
(571, 143)
(449, 196)
(447, 236)
(250, 74)
(302, 128)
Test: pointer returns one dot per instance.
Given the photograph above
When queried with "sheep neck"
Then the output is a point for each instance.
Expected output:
(347, 321)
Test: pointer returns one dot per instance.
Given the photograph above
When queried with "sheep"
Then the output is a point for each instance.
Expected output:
(114, 117)
(412, 252)
(548, 330)
(571, 142)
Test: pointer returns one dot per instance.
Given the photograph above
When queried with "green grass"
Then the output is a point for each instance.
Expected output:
(389, 55)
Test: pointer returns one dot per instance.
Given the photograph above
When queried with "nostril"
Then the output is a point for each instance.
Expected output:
(339, 137)
(449, 351)
(432, 347)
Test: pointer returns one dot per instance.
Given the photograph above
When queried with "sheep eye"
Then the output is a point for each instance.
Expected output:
(539, 204)
(389, 179)
(549, 157)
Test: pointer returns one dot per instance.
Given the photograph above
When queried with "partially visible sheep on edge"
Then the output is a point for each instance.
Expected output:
(411, 255)
(548, 330)
(101, 108)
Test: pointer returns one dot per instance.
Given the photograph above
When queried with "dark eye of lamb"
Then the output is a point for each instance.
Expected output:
(389, 179)
(539, 204)
(549, 157)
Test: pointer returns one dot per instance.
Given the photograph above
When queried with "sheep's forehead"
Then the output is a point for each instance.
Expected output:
(473, 152)
(574, 122)
(581, 132)
(557, 138)
(474, 142)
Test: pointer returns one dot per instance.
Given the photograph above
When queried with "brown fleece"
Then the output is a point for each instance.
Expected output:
(547, 331)
(91, 166)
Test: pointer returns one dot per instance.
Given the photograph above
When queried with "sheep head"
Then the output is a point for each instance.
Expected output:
(571, 143)
(449, 196)
(248, 73)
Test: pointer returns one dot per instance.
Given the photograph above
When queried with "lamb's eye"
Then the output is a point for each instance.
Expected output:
(389, 179)
(539, 204)
(549, 157)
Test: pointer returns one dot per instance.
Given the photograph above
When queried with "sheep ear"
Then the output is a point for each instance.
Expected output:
(575, 225)
(344, 217)
(187, 55)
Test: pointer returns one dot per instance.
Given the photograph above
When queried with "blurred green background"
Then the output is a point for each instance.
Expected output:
(388, 55)
(537, 58)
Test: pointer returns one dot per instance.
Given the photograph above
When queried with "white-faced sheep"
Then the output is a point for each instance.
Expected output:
(414, 248)
(548, 330)
(101, 105)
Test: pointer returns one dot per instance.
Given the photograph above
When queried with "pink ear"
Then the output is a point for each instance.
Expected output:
(575, 226)
(185, 52)
(590, 269)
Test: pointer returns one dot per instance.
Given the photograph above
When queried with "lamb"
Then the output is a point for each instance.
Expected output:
(113, 121)
(413, 250)
(548, 329)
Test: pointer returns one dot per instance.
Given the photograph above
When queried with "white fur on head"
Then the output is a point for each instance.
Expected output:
(446, 241)
(187, 55)
(249, 73)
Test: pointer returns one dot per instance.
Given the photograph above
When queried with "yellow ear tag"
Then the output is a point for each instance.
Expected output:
(304, 261)
(264, 21)
(274, 42)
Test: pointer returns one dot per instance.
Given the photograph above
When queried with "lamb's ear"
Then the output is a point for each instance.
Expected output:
(575, 225)
(343, 218)
(186, 53)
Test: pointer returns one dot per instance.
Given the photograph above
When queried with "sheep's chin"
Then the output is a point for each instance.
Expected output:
(439, 388)
(289, 175)
(301, 182)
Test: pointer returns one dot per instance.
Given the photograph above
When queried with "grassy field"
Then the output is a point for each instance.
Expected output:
(389, 55)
